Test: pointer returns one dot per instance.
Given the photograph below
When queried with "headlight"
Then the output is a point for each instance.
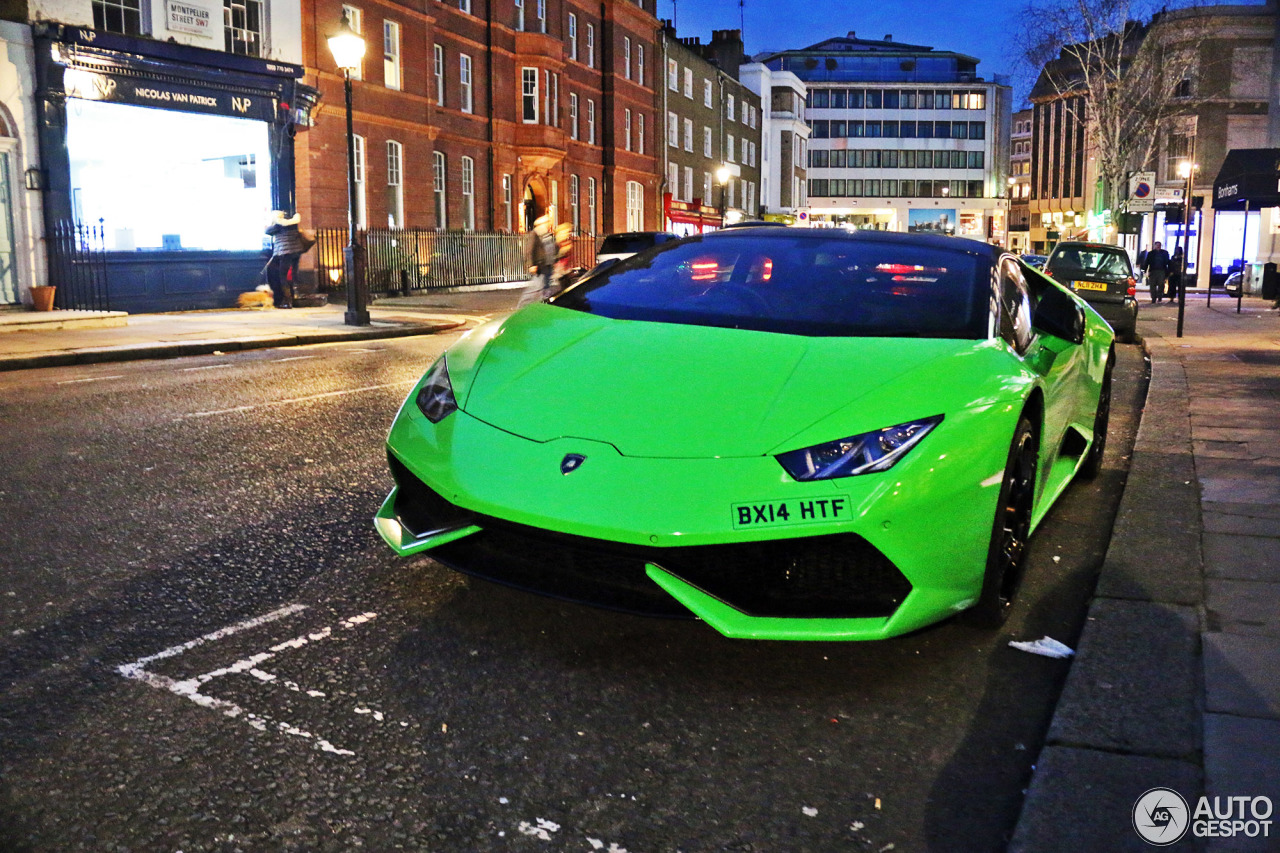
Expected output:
(858, 454)
(435, 397)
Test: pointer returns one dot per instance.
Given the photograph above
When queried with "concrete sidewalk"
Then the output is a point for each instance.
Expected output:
(1176, 681)
(48, 339)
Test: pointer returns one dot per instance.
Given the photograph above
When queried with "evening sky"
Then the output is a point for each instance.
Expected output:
(792, 24)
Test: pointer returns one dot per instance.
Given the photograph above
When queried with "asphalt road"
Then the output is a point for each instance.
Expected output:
(205, 646)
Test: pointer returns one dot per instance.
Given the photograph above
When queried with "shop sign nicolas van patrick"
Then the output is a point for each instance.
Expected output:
(186, 16)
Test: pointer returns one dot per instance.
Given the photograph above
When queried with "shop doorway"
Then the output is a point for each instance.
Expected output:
(8, 257)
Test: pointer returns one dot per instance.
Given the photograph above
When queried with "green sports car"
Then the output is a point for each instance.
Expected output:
(792, 434)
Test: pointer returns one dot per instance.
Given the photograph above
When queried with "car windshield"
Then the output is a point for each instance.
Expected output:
(1091, 261)
(617, 244)
(802, 285)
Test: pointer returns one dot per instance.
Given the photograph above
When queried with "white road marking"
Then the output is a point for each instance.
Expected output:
(91, 379)
(294, 400)
(190, 688)
(541, 830)
(215, 635)
(207, 367)
(295, 358)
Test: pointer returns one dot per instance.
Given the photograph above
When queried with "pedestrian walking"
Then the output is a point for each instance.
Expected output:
(1156, 267)
(288, 245)
(540, 253)
(1175, 274)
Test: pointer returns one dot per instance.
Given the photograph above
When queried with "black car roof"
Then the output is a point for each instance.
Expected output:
(1085, 244)
(936, 241)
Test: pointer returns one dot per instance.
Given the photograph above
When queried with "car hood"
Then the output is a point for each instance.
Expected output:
(667, 390)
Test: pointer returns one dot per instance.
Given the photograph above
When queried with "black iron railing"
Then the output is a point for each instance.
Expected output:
(413, 259)
(78, 265)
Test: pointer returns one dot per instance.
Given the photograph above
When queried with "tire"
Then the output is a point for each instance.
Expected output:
(1007, 553)
(1101, 418)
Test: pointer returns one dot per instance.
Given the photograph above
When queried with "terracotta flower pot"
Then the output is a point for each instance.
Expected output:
(42, 297)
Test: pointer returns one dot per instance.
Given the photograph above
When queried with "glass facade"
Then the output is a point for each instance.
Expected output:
(162, 179)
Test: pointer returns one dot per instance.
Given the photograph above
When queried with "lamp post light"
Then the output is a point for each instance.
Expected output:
(1186, 171)
(347, 48)
(722, 177)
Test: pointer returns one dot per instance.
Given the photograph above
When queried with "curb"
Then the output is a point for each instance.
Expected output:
(1130, 716)
(141, 352)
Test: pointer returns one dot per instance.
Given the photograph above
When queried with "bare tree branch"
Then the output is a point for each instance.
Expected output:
(1116, 75)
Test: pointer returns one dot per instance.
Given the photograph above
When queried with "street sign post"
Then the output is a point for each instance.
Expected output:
(1141, 187)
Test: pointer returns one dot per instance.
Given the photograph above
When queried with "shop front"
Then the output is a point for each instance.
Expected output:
(1246, 193)
(972, 218)
(174, 155)
(689, 217)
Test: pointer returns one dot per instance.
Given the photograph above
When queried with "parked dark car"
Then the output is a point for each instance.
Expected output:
(1102, 275)
(1036, 261)
(628, 243)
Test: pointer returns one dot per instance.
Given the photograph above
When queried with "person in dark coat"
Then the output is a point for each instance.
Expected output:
(1156, 266)
(1175, 274)
(287, 248)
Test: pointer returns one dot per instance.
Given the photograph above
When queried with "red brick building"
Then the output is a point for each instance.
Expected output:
(481, 114)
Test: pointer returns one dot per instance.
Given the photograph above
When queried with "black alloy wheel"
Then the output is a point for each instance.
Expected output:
(1101, 418)
(1006, 557)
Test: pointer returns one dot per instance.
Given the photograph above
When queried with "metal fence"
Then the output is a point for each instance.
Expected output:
(414, 259)
(78, 265)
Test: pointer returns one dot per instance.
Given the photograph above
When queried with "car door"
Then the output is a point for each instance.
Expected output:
(1057, 361)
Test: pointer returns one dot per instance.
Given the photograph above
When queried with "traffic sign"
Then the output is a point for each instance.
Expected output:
(1167, 193)
(1141, 186)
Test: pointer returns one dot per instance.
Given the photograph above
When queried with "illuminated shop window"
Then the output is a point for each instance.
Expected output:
(138, 169)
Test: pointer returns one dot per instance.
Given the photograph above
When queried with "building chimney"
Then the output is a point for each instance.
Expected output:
(888, 36)
(852, 34)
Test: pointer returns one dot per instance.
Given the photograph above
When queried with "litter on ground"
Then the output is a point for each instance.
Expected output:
(1046, 646)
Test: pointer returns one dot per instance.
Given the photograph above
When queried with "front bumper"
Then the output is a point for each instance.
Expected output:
(671, 536)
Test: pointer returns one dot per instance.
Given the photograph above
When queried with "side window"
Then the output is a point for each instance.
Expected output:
(1015, 306)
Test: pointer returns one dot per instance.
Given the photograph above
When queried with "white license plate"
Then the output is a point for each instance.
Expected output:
(1090, 285)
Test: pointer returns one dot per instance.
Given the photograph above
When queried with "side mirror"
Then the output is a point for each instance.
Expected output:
(1058, 314)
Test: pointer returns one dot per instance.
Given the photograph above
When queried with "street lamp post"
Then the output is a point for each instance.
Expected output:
(348, 49)
(1008, 219)
(1186, 170)
(722, 176)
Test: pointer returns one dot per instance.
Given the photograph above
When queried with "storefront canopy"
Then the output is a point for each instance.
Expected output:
(1248, 177)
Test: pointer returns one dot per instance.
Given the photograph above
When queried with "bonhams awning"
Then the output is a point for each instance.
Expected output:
(1248, 177)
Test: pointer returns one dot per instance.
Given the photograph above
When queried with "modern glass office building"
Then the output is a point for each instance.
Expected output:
(904, 138)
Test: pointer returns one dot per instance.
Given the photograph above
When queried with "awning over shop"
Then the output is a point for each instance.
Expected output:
(1249, 176)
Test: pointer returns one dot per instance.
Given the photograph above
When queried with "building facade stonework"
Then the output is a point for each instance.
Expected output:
(711, 130)
(482, 115)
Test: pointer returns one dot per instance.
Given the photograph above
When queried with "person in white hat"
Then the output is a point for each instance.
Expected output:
(287, 247)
